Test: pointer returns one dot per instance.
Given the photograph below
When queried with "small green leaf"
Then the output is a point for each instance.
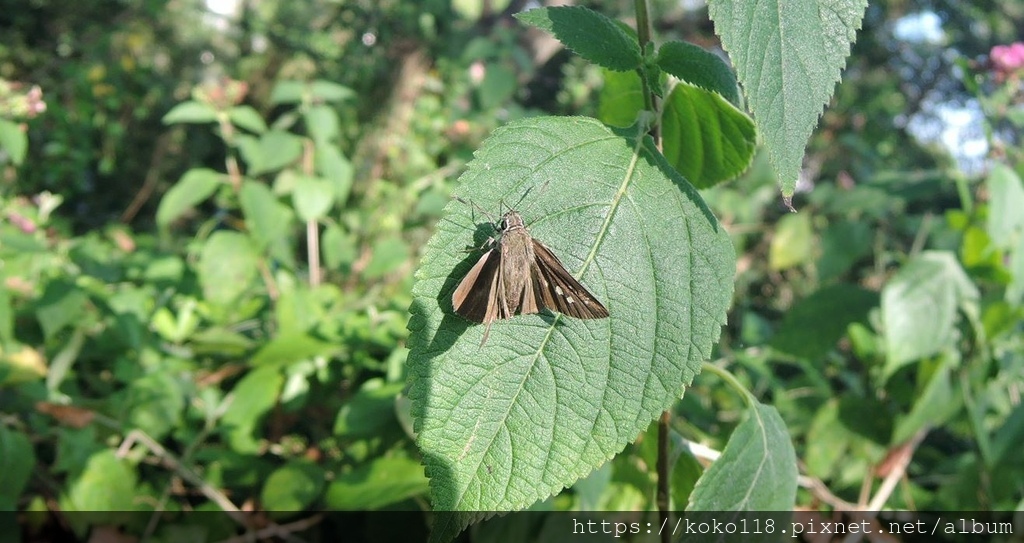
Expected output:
(287, 92)
(1006, 200)
(155, 404)
(498, 86)
(194, 187)
(793, 243)
(828, 312)
(621, 98)
(227, 267)
(788, 56)
(292, 347)
(333, 166)
(322, 123)
(268, 219)
(13, 141)
(368, 411)
(699, 67)
(328, 91)
(339, 248)
(63, 304)
(274, 150)
(919, 307)
(251, 398)
(106, 484)
(248, 118)
(843, 243)
(933, 406)
(190, 112)
(549, 398)
(18, 460)
(292, 487)
(704, 137)
(388, 254)
(312, 197)
(382, 482)
(588, 33)
(757, 470)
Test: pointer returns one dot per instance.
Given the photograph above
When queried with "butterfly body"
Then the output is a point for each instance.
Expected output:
(519, 275)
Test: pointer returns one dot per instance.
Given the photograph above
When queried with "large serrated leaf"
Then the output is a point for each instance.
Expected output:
(788, 55)
(588, 33)
(550, 398)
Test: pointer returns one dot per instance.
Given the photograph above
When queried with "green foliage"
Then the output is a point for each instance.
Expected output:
(237, 338)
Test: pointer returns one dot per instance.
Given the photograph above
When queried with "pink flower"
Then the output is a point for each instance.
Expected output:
(1007, 58)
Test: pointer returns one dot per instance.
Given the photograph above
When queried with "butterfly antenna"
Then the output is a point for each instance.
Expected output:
(471, 204)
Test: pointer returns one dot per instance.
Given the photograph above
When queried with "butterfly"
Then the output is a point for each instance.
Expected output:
(519, 275)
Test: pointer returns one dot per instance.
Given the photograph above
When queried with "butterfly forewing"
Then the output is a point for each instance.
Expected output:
(473, 298)
(559, 290)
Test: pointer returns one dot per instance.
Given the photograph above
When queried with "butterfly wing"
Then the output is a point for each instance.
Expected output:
(476, 296)
(558, 290)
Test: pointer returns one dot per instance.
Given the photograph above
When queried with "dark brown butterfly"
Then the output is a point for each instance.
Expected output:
(519, 275)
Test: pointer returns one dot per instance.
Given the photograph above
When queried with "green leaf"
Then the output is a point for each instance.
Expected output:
(589, 34)
(700, 67)
(227, 267)
(382, 482)
(274, 150)
(788, 56)
(190, 112)
(828, 442)
(63, 304)
(322, 123)
(367, 412)
(312, 197)
(550, 398)
(328, 91)
(498, 86)
(291, 347)
(827, 312)
(704, 137)
(339, 247)
(155, 404)
(194, 187)
(333, 166)
(251, 398)
(13, 141)
(843, 243)
(268, 219)
(1006, 200)
(919, 307)
(621, 98)
(757, 470)
(388, 254)
(292, 487)
(793, 243)
(18, 460)
(287, 92)
(248, 118)
(933, 407)
(106, 484)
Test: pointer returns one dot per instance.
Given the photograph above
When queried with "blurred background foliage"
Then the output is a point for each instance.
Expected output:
(175, 349)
